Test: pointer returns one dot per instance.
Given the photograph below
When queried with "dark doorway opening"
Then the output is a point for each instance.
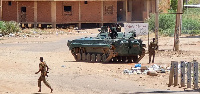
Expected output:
(112, 24)
(23, 14)
(121, 12)
(67, 26)
(89, 25)
(23, 9)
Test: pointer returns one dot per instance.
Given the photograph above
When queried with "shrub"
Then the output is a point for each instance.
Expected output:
(9, 27)
(167, 32)
(166, 24)
(193, 2)
(190, 22)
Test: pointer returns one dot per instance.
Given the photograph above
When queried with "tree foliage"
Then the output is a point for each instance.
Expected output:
(190, 23)
(174, 4)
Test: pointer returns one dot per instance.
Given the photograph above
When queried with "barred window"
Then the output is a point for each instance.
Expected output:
(67, 10)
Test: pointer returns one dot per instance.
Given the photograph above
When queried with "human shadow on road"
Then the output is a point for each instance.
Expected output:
(70, 61)
(153, 92)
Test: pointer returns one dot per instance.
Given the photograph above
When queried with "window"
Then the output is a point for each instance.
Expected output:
(9, 3)
(23, 9)
(67, 10)
(85, 2)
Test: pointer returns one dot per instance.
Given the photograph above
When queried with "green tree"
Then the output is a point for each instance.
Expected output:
(174, 4)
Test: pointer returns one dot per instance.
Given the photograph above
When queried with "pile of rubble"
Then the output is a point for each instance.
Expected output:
(149, 70)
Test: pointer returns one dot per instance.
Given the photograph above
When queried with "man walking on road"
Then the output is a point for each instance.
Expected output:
(43, 68)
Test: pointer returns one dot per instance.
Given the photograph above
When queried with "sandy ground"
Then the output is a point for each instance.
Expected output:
(19, 61)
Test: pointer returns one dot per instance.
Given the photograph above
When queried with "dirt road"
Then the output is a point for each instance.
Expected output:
(20, 58)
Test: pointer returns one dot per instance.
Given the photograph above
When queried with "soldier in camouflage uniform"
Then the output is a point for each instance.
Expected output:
(113, 32)
(43, 68)
(118, 27)
(152, 47)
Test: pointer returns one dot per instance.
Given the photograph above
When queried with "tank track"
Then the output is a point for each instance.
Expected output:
(82, 56)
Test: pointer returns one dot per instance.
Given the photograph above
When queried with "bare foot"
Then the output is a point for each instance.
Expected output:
(39, 90)
(51, 90)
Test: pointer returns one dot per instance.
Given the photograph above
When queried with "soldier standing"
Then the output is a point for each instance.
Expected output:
(118, 27)
(113, 32)
(152, 47)
(43, 68)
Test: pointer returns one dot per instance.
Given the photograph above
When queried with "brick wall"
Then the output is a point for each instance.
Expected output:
(137, 10)
(29, 10)
(9, 13)
(61, 17)
(91, 12)
(110, 17)
(43, 11)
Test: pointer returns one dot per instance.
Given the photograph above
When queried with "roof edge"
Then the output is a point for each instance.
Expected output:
(62, 0)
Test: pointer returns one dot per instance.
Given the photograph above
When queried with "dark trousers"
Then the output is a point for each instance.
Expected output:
(150, 55)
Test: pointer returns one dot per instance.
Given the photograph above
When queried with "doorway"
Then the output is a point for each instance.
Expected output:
(121, 11)
(23, 14)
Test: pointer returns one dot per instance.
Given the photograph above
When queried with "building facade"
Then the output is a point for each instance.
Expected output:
(81, 13)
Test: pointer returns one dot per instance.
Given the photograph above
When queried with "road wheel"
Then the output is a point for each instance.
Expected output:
(88, 57)
(104, 57)
(93, 58)
(83, 56)
(78, 57)
(98, 57)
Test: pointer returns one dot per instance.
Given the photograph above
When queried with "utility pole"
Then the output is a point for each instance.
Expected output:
(156, 20)
(178, 25)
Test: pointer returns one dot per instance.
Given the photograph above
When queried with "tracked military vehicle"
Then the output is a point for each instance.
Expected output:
(108, 47)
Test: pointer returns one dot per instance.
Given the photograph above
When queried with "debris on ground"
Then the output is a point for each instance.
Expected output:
(25, 33)
(149, 70)
(152, 73)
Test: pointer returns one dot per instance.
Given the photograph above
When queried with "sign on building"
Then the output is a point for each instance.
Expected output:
(139, 28)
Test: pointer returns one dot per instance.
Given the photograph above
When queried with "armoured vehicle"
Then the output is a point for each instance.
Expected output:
(108, 47)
